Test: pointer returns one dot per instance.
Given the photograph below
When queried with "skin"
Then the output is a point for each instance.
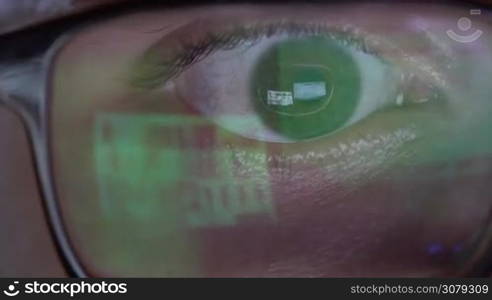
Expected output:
(31, 251)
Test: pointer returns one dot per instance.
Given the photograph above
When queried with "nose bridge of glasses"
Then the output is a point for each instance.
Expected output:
(21, 88)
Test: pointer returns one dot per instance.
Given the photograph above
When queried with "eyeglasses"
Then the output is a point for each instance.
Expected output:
(261, 140)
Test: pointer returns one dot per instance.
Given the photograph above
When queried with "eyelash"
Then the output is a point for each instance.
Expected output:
(194, 52)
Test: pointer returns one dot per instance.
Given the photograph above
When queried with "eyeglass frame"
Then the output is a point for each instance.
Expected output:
(33, 110)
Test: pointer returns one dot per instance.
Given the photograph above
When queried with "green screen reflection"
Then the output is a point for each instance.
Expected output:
(156, 179)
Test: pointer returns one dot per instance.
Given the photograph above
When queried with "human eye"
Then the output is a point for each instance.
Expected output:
(278, 81)
(297, 140)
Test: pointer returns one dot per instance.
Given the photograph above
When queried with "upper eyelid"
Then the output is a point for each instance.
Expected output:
(196, 40)
(170, 55)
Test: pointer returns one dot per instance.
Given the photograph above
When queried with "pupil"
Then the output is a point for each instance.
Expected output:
(305, 87)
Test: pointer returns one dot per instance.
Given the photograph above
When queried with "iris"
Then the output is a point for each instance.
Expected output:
(306, 87)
